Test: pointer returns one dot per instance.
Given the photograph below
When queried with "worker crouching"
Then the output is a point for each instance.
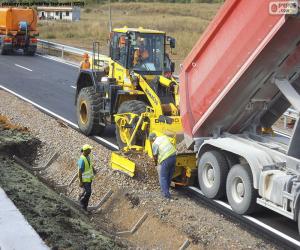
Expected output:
(86, 175)
(164, 154)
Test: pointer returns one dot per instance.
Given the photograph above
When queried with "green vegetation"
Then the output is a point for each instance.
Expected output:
(185, 22)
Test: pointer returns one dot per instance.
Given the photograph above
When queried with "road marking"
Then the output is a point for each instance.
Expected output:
(23, 67)
(256, 221)
(57, 116)
(74, 87)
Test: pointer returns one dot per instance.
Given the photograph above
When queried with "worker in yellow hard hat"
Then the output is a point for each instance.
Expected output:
(86, 175)
(85, 63)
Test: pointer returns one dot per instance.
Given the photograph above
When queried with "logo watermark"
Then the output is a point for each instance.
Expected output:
(290, 7)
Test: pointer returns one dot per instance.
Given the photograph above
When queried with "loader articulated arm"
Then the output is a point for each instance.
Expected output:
(151, 96)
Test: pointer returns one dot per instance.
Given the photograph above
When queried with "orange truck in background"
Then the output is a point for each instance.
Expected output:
(18, 30)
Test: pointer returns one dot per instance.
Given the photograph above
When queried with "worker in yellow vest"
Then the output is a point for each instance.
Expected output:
(86, 175)
(164, 154)
(85, 63)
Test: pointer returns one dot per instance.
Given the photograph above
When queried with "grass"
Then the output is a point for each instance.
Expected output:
(185, 22)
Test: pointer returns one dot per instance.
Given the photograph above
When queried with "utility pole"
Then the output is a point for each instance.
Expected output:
(110, 22)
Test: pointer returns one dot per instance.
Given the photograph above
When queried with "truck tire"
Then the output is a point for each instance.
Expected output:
(2, 50)
(88, 111)
(212, 172)
(298, 221)
(29, 53)
(241, 194)
(132, 106)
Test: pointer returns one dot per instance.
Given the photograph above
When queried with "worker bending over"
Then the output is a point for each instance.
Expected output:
(86, 175)
(164, 154)
(85, 63)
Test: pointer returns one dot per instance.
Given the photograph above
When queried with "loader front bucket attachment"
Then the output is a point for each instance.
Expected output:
(122, 164)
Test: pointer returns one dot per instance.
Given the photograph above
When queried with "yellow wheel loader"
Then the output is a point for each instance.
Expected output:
(135, 79)
(134, 89)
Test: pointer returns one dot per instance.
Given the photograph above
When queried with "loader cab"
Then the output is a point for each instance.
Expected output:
(140, 50)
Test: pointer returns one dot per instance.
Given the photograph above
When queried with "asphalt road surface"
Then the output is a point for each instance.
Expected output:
(51, 84)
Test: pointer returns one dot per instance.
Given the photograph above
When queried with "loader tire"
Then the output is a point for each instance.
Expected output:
(241, 194)
(132, 106)
(88, 112)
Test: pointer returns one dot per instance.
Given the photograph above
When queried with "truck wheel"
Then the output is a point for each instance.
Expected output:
(132, 106)
(298, 221)
(88, 111)
(29, 53)
(241, 194)
(212, 172)
(2, 50)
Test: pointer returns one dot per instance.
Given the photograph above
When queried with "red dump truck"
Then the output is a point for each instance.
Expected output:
(238, 80)
(18, 30)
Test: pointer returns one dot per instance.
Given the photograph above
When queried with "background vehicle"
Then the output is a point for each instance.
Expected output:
(128, 84)
(18, 30)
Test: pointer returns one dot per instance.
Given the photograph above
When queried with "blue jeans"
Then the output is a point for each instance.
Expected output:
(85, 196)
(166, 173)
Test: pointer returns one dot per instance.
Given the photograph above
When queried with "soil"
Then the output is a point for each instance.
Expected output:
(59, 224)
(168, 223)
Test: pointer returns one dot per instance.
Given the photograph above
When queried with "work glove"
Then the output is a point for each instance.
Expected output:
(81, 184)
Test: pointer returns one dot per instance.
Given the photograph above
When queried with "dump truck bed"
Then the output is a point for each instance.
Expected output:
(227, 81)
(11, 17)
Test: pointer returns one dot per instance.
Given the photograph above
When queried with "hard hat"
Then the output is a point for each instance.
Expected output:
(152, 136)
(85, 55)
(86, 147)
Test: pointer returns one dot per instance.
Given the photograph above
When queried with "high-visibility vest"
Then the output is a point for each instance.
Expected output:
(165, 148)
(85, 65)
(88, 174)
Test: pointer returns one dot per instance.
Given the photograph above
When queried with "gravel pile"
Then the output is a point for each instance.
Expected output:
(205, 228)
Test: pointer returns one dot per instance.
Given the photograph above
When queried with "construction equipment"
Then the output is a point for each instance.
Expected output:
(122, 164)
(18, 30)
(133, 88)
(230, 99)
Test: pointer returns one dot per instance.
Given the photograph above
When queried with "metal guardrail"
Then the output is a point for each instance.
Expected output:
(61, 47)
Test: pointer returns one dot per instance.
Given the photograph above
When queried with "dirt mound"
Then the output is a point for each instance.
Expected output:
(59, 224)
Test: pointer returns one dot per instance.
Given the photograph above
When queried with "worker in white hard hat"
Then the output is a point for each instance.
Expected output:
(164, 154)
(86, 175)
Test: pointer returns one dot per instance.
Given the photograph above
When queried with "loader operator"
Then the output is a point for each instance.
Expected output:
(86, 175)
(164, 154)
(141, 54)
(122, 46)
(85, 63)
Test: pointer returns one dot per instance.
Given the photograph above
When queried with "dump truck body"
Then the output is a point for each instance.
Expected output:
(231, 68)
(18, 30)
(240, 77)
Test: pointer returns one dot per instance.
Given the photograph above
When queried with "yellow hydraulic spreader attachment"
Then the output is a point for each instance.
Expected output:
(122, 164)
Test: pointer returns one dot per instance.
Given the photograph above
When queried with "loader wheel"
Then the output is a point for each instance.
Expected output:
(88, 111)
(241, 194)
(212, 173)
(132, 106)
